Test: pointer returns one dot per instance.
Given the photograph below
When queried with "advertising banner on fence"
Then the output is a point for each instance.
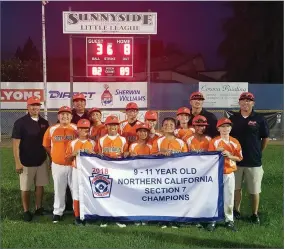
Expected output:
(222, 94)
(100, 95)
(184, 187)
(75, 22)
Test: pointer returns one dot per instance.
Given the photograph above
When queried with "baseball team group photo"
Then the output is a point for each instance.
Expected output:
(142, 143)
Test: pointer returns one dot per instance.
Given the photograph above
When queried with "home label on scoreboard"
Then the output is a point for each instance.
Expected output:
(109, 56)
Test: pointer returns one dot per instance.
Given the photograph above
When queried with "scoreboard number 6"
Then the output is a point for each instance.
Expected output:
(100, 49)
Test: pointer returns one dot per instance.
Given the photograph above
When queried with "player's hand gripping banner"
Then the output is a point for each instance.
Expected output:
(183, 188)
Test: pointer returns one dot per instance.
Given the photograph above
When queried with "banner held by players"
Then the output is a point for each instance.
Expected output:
(180, 188)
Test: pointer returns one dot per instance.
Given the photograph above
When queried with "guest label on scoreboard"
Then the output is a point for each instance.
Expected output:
(109, 56)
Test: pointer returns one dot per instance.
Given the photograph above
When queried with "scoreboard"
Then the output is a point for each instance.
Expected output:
(109, 56)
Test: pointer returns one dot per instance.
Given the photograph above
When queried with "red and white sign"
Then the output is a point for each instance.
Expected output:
(14, 95)
(20, 95)
(102, 95)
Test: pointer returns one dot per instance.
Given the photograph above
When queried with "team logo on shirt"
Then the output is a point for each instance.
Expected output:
(106, 97)
(252, 123)
(101, 185)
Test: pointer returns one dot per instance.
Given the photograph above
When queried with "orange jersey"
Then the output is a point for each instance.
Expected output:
(140, 149)
(78, 144)
(153, 137)
(97, 131)
(112, 146)
(198, 145)
(164, 144)
(129, 131)
(233, 146)
(57, 137)
(184, 134)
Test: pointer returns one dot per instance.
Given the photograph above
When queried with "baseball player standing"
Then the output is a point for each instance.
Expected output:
(231, 150)
(82, 143)
(55, 141)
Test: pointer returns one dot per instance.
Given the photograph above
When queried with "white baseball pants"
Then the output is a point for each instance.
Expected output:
(62, 175)
(229, 190)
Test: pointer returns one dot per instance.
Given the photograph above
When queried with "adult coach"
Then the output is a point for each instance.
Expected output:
(196, 102)
(252, 131)
(30, 156)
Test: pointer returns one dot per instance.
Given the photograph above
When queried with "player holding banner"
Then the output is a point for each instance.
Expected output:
(82, 143)
(231, 150)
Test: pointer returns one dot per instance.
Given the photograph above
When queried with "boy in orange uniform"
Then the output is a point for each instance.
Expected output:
(55, 141)
(141, 146)
(199, 141)
(231, 150)
(150, 118)
(168, 144)
(183, 131)
(128, 127)
(97, 129)
(82, 143)
(112, 145)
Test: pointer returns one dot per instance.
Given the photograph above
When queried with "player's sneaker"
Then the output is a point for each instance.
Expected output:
(255, 219)
(77, 221)
(211, 226)
(28, 216)
(231, 226)
(121, 225)
(56, 218)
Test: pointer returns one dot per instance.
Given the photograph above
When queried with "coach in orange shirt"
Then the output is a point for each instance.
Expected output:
(55, 141)
(232, 152)
(128, 127)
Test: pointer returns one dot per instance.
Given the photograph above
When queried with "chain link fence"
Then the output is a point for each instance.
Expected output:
(8, 117)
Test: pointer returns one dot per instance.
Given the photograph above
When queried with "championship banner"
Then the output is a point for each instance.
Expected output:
(185, 187)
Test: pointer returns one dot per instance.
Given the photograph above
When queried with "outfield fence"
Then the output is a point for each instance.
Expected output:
(274, 117)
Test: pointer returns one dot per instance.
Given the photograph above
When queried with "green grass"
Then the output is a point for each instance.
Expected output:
(41, 233)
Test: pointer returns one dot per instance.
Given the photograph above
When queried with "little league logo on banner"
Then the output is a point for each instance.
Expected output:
(184, 187)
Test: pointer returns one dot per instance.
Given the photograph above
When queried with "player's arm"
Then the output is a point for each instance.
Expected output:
(264, 143)
(70, 154)
(184, 147)
(126, 149)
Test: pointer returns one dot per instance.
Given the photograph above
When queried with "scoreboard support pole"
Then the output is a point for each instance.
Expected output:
(148, 72)
(71, 66)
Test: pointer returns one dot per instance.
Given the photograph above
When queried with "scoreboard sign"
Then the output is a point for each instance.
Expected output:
(109, 56)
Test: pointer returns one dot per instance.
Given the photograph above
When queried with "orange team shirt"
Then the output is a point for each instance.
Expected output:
(78, 144)
(184, 134)
(128, 131)
(112, 146)
(57, 137)
(153, 137)
(140, 149)
(97, 131)
(233, 146)
(198, 145)
(164, 144)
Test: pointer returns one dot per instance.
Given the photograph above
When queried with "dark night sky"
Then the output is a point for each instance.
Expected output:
(194, 26)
